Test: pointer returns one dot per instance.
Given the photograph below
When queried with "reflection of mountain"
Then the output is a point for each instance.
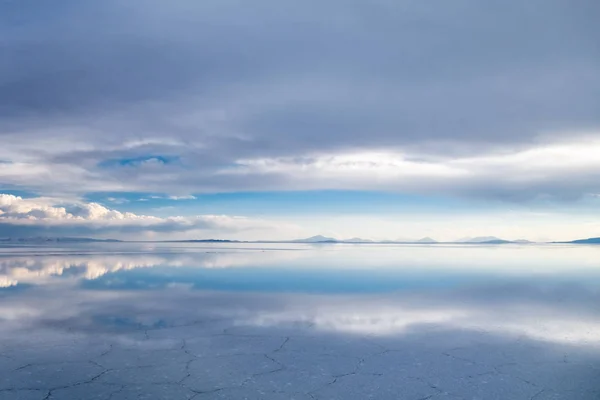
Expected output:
(56, 268)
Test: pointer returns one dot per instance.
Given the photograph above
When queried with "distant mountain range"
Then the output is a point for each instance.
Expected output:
(201, 241)
(481, 240)
(425, 240)
(357, 240)
(312, 239)
(43, 239)
(316, 239)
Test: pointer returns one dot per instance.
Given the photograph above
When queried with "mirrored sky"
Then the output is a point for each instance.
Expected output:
(127, 320)
(544, 292)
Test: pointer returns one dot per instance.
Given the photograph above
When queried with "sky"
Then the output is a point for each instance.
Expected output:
(380, 119)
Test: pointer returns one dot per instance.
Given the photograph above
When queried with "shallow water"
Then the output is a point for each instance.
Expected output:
(241, 321)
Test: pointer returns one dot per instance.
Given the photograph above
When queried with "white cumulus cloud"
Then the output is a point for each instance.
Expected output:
(44, 215)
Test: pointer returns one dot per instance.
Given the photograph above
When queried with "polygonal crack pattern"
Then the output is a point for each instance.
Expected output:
(197, 361)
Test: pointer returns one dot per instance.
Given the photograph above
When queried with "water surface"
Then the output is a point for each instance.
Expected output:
(126, 320)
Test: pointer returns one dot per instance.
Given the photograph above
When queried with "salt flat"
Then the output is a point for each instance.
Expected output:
(405, 322)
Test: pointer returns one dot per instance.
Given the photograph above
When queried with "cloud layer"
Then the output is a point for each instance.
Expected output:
(478, 99)
(71, 269)
(32, 217)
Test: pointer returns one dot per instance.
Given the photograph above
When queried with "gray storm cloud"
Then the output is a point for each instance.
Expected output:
(272, 96)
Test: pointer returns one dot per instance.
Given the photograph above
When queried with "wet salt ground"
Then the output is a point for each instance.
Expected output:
(89, 324)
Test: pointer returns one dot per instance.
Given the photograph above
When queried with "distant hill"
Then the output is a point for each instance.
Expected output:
(325, 239)
(357, 240)
(586, 241)
(203, 241)
(426, 240)
(43, 239)
(316, 239)
(312, 239)
(481, 239)
(495, 241)
(522, 241)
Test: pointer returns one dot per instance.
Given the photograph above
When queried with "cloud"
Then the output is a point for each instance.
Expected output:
(117, 200)
(27, 217)
(71, 269)
(6, 282)
(527, 311)
(439, 90)
(186, 197)
(403, 316)
(559, 171)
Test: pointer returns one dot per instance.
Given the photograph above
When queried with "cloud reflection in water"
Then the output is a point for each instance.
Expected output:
(554, 304)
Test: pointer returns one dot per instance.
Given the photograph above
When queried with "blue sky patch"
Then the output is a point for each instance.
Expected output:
(139, 161)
